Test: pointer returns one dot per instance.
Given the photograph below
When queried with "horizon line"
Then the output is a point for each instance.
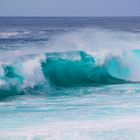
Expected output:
(67, 16)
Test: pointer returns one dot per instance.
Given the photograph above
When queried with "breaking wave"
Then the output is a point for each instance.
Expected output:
(67, 69)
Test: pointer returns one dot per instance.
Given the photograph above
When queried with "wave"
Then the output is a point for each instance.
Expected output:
(67, 69)
(5, 35)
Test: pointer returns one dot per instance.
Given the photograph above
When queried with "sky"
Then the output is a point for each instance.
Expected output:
(56, 8)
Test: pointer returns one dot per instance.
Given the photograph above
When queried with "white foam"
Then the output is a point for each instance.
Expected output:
(12, 34)
(8, 34)
(84, 130)
(32, 72)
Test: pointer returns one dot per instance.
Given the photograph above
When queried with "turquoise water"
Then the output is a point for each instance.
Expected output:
(93, 113)
(69, 78)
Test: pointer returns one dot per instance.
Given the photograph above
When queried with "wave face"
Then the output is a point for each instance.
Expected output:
(67, 69)
(81, 72)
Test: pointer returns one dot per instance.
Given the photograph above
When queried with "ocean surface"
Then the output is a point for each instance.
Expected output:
(70, 78)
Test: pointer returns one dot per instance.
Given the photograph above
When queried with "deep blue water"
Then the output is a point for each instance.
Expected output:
(69, 78)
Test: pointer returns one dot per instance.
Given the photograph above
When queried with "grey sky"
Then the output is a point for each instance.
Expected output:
(69, 7)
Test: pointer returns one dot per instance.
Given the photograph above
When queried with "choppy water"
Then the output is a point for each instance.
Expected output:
(69, 78)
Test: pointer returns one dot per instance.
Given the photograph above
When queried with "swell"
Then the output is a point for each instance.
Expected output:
(35, 74)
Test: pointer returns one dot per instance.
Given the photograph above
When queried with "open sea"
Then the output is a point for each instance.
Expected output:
(70, 78)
